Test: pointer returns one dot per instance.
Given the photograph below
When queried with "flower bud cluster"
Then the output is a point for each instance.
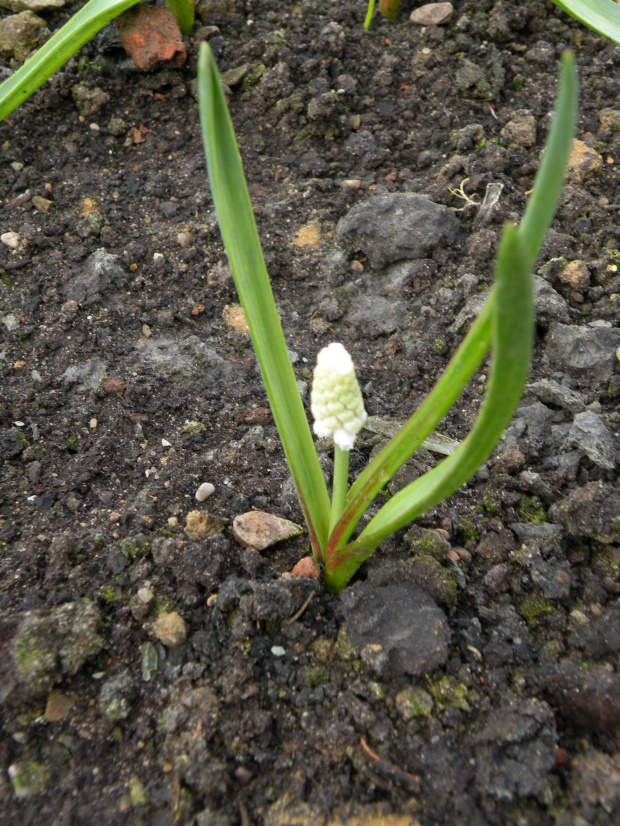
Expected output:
(336, 398)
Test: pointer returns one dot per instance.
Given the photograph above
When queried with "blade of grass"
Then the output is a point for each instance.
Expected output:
(238, 228)
(513, 324)
(62, 45)
(603, 16)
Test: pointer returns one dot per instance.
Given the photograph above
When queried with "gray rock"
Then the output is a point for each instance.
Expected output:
(12, 443)
(396, 227)
(46, 646)
(515, 748)
(594, 791)
(189, 358)
(549, 303)
(550, 392)
(397, 629)
(592, 511)
(543, 536)
(100, 269)
(598, 636)
(378, 316)
(588, 433)
(587, 353)
(589, 698)
(484, 82)
(117, 695)
(86, 376)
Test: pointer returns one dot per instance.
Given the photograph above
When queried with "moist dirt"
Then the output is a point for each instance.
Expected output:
(152, 669)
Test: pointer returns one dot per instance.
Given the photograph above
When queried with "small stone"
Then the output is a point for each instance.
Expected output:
(58, 706)
(583, 163)
(202, 525)
(589, 433)
(260, 530)
(432, 14)
(20, 34)
(116, 696)
(307, 567)
(235, 318)
(28, 778)
(170, 629)
(93, 424)
(42, 204)
(204, 491)
(521, 130)
(151, 36)
(10, 239)
(185, 239)
(278, 651)
(31, 5)
(592, 511)
(89, 100)
(165, 443)
(575, 275)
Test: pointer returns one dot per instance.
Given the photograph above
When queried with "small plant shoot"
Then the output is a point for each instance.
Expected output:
(505, 326)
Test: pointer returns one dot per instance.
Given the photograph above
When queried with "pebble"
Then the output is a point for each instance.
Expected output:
(260, 530)
(432, 14)
(583, 163)
(575, 275)
(10, 239)
(204, 491)
(170, 629)
(202, 525)
(235, 318)
(307, 567)
(58, 706)
(589, 433)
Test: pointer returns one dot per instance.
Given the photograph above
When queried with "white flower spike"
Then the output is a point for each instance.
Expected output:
(336, 398)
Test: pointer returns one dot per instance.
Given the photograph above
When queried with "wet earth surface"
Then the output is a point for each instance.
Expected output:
(153, 670)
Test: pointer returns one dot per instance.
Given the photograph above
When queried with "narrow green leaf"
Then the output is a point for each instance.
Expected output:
(62, 45)
(183, 11)
(549, 179)
(238, 228)
(603, 16)
(513, 325)
(377, 473)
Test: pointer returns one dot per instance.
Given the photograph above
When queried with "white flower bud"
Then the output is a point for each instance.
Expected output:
(336, 398)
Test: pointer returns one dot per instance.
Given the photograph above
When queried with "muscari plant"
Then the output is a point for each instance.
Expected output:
(505, 325)
(69, 39)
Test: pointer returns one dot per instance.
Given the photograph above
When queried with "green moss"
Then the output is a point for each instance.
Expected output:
(317, 676)
(490, 504)
(518, 82)
(29, 778)
(136, 546)
(439, 347)
(414, 702)
(194, 428)
(533, 608)
(108, 595)
(531, 509)
(468, 530)
(450, 693)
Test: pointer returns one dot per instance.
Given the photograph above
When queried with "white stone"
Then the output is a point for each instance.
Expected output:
(10, 239)
(204, 491)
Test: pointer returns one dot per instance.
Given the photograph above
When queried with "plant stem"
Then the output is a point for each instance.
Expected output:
(369, 13)
(339, 490)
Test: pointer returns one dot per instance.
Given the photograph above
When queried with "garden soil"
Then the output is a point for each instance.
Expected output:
(153, 670)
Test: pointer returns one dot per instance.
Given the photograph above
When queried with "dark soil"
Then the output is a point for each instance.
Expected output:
(240, 716)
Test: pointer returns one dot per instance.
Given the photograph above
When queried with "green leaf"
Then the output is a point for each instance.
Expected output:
(238, 228)
(603, 16)
(513, 328)
(62, 45)
(183, 11)
(377, 474)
